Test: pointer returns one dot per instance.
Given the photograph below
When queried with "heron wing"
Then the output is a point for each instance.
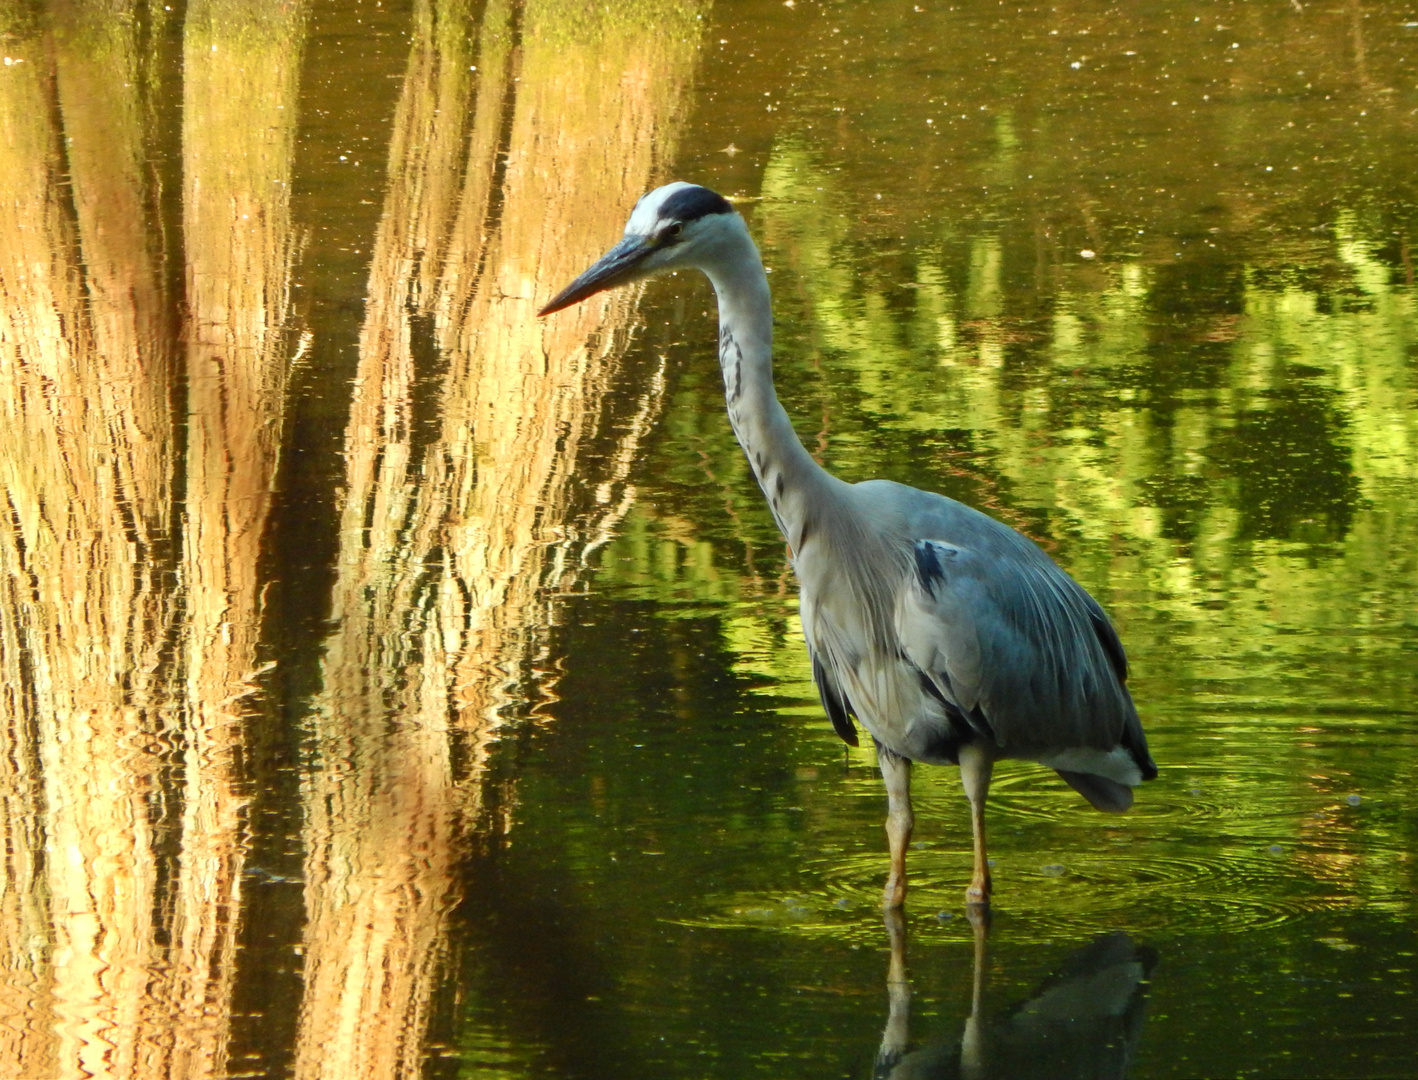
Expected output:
(939, 634)
(1009, 638)
(839, 709)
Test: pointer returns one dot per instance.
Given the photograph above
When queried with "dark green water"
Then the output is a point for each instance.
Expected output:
(545, 773)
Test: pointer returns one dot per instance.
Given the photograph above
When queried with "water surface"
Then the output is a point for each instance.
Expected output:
(399, 684)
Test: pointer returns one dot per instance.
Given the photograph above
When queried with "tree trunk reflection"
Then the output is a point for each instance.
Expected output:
(459, 523)
(128, 656)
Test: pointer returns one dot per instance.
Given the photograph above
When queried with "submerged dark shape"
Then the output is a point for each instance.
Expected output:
(950, 637)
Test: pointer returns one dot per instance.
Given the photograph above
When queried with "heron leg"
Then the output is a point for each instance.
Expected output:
(896, 772)
(976, 765)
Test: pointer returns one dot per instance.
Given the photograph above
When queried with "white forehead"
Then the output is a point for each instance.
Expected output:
(647, 210)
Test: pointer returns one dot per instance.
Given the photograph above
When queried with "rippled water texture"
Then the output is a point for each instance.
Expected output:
(397, 684)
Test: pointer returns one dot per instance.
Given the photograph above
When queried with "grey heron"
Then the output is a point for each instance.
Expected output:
(952, 638)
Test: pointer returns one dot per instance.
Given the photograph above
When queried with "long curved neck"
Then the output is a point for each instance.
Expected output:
(791, 480)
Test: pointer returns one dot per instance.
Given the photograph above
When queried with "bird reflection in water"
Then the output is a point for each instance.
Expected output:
(1085, 1021)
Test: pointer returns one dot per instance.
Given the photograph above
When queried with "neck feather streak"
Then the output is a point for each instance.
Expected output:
(792, 481)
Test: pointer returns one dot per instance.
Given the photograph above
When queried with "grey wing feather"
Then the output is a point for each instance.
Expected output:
(1132, 738)
(839, 709)
(1107, 637)
(938, 634)
(1000, 629)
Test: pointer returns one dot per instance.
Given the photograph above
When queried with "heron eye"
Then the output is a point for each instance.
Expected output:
(672, 231)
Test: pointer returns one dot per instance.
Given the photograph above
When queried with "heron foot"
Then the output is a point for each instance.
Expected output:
(978, 894)
(895, 893)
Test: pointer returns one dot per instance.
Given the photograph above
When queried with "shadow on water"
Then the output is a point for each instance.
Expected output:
(516, 930)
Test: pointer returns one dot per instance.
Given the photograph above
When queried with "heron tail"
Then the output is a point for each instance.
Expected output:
(1106, 795)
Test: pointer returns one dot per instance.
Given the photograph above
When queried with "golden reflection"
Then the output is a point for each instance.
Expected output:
(119, 912)
(86, 471)
(241, 66)
(459, 524)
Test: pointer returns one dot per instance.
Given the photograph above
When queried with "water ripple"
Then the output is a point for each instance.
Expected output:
(1048, 898)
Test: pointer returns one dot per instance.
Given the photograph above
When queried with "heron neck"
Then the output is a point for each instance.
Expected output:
(791, 480)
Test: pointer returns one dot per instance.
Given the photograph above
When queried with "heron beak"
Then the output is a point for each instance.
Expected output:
(616, 267)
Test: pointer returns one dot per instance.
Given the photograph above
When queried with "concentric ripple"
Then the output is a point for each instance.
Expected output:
(1221, 892)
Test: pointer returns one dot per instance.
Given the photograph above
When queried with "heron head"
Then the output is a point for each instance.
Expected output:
(672, 226)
